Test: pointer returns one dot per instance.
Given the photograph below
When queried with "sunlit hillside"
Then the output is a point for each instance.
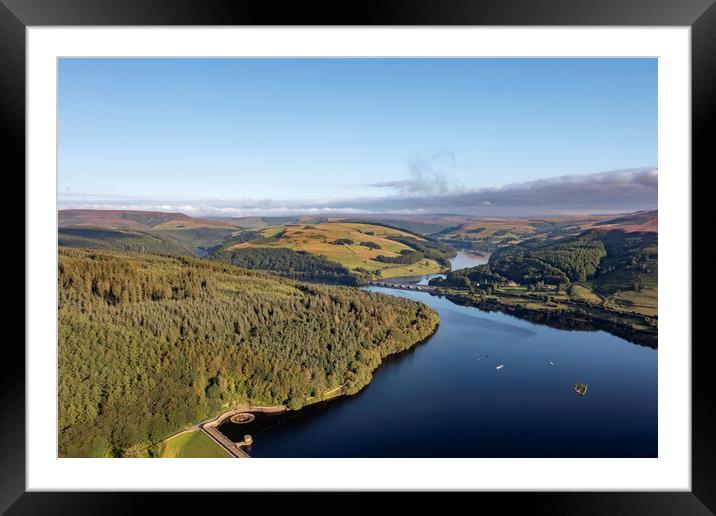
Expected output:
(358, 247)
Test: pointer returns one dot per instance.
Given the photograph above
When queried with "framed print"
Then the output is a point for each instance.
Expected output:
(416, 250)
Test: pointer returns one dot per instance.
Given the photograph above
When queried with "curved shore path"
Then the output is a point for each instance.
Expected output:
(232, 448)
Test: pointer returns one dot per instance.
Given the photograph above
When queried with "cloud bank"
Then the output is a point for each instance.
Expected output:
(618, 190)
(429, 190)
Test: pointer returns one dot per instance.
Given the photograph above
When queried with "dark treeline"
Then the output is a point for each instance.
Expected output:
(430, 249)
(406, 256)
(566, 260)
(631, 262)
(419, 249)
(149, 344)
(469, 244)
(288, 263)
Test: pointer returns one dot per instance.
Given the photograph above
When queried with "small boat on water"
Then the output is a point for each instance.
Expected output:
(499, 366)
(580, 388)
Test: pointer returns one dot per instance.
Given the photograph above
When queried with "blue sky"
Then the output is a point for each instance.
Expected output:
(252, 131)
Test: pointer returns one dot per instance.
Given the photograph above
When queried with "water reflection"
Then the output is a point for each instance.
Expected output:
(461, 260)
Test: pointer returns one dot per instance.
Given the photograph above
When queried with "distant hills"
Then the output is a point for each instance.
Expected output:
(642, 221)
(149, 231)
(490, 234)
(597, 267)
(142, 220)
(385, 245)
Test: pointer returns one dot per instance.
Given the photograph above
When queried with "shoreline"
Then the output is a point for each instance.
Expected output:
(573, 317)
(210, 427)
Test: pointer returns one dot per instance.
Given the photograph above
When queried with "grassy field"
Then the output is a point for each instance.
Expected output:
(582, 293)
(645, 302)
(191, 445)
(317, 239)
(498, 230)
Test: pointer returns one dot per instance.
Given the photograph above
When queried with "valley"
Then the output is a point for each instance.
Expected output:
(208, 314)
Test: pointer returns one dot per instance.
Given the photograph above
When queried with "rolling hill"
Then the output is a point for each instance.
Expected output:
(315, 250)
(343, 250)
(367, 250)
(120, 240)
(148, 231)
(640, 221)
(614, 268)
(128, 219)
(490, 234)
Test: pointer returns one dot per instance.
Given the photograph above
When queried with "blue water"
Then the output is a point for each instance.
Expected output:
(461, 260)
(438, 400)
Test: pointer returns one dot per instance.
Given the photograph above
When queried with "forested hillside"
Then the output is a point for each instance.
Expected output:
(598, 279)
(608, 260)
(141, 231)
(150, 344)
(120, 240)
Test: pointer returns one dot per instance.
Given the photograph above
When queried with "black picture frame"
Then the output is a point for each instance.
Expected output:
(700, 15)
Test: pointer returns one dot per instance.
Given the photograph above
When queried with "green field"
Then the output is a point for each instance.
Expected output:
(191, 445)
(582, 293)
(645, 302)
(317, 239)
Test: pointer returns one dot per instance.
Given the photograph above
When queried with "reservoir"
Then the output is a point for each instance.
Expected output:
(448, 397)
(462, 260)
